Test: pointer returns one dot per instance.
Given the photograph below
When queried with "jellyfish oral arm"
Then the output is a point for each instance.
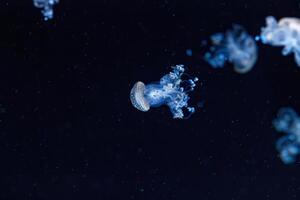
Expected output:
(155, 95)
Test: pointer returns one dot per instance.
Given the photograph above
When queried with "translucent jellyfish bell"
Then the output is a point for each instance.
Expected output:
(137, 97)
(285, 32)
(171, 90)
(235, 46)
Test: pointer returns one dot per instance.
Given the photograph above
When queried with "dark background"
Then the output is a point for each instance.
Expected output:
(69, 131)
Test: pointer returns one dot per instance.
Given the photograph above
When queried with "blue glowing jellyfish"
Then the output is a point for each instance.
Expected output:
(46, 6)
(235, 46)
(189, 52)
(288, 145)
(285, 32)
(171, 90)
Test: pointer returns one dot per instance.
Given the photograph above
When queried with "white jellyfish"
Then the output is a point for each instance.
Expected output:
(285, 32)
(171, 91)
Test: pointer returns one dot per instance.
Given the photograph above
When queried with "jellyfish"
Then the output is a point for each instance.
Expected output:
(189, 52)
(288, 122)
(171, 90)
(285, 32)
(235, 46)
(46, 6)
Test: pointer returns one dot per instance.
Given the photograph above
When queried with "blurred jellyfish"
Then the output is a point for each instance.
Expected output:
(285, 32)
(189, 52)
(171, 90)
(46, 6)
(235, 46)
(288, 122)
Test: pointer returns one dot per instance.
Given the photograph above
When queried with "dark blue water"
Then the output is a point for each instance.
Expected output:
(67, 126)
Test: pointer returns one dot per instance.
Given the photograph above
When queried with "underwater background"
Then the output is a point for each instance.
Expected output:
(67, 126)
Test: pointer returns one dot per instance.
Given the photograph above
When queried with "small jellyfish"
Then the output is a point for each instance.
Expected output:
(46, 6)
(288, 122)
(189, 52)
(171, 90)
(235, 46)
(285, 32)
